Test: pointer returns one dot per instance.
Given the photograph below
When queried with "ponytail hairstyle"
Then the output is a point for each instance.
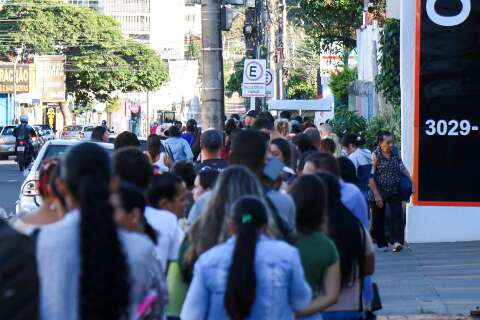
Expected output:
(249, 216)
(131, 198)
(347, 232)
(104, 286)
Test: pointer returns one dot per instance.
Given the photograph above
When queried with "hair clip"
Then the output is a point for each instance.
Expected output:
(246, 218)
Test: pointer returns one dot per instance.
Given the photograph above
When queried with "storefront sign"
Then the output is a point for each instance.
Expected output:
(14, 78)
(50, 76)
(447, 106)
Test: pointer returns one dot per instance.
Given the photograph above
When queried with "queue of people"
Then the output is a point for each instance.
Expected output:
(263, 221)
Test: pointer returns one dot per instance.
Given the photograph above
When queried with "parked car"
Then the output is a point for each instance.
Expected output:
(143, 142)
(46, 131)
(76, 132)
(86, 133)
(7, 142)
(29, 200)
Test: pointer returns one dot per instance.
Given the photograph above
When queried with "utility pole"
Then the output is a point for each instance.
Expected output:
(213, 111)
(15, 111)
(250, 31)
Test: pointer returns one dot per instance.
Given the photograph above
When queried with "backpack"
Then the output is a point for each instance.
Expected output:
(18, 276)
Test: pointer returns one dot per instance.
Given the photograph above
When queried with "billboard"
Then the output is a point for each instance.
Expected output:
(8, 73)
(447, 103)
(50, 78)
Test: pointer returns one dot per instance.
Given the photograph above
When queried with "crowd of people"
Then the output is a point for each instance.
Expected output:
(270, 219)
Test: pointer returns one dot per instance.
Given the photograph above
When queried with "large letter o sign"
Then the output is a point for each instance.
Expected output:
(446, 20)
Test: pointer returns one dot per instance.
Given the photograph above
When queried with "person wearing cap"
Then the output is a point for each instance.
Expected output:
(211, 143)
(250, 118)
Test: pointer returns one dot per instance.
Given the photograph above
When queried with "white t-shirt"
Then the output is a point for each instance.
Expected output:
(170, 235)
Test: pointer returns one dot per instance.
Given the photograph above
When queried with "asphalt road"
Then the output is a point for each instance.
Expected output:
(10, 181)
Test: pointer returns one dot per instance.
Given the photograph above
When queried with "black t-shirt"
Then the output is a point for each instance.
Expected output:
(218, 164)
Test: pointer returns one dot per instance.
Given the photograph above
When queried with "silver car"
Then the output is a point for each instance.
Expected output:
(29, 200)
(7, 142)
(45, 131)
(71, 132)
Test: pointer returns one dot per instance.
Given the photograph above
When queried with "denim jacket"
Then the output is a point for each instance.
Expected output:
(180, 148)
(281, 285)
(59, 268)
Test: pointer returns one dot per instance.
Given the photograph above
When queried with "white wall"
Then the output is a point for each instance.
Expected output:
(393, 8)
(425, 223)
(193, 20)
(167, 27)
(367, 47)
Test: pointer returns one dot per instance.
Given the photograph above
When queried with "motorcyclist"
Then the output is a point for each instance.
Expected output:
(25, 132)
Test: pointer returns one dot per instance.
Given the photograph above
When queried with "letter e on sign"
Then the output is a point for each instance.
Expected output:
(255, 71)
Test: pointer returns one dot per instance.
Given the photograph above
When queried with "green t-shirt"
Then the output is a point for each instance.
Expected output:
(317, 253)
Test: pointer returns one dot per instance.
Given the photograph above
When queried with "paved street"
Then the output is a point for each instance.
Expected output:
(10, 181)
(430, 279)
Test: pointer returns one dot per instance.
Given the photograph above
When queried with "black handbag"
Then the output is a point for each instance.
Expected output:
(376, 303)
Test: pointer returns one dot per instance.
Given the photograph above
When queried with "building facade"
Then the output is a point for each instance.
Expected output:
(134, 17)
(94, 4)
(158, 24)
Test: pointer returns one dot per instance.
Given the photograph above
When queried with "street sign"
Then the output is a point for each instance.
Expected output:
(254, 77)
(447, 103)
(270, 83)
(134, 107)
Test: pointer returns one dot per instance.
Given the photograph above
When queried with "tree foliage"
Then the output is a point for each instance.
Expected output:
(234, 83)
(390, 121)
(99, 60)
(388, 80)
(339, 82)
(300, 87)
(346, 121)
(329, 24)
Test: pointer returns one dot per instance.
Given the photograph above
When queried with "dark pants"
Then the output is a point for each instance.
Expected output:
(396, 224)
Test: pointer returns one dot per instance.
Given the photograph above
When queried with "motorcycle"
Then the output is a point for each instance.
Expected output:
(24, 157)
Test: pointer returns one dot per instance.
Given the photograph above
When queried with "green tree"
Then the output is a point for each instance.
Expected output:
(388, 79)
(346, 121)
(339, 82)
(99, 60)
(148, 70)
(390, 121)
(329, 24)
(193, 51)
(300, 87)
(234, 82)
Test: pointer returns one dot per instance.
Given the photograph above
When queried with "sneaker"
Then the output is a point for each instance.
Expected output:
(397, 247)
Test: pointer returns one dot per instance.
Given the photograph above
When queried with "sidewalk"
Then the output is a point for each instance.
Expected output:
(423, 279)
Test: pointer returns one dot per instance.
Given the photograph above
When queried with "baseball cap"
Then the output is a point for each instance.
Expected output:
(251, 113)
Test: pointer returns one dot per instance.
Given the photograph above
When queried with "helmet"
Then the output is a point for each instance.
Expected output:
(24, 119)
